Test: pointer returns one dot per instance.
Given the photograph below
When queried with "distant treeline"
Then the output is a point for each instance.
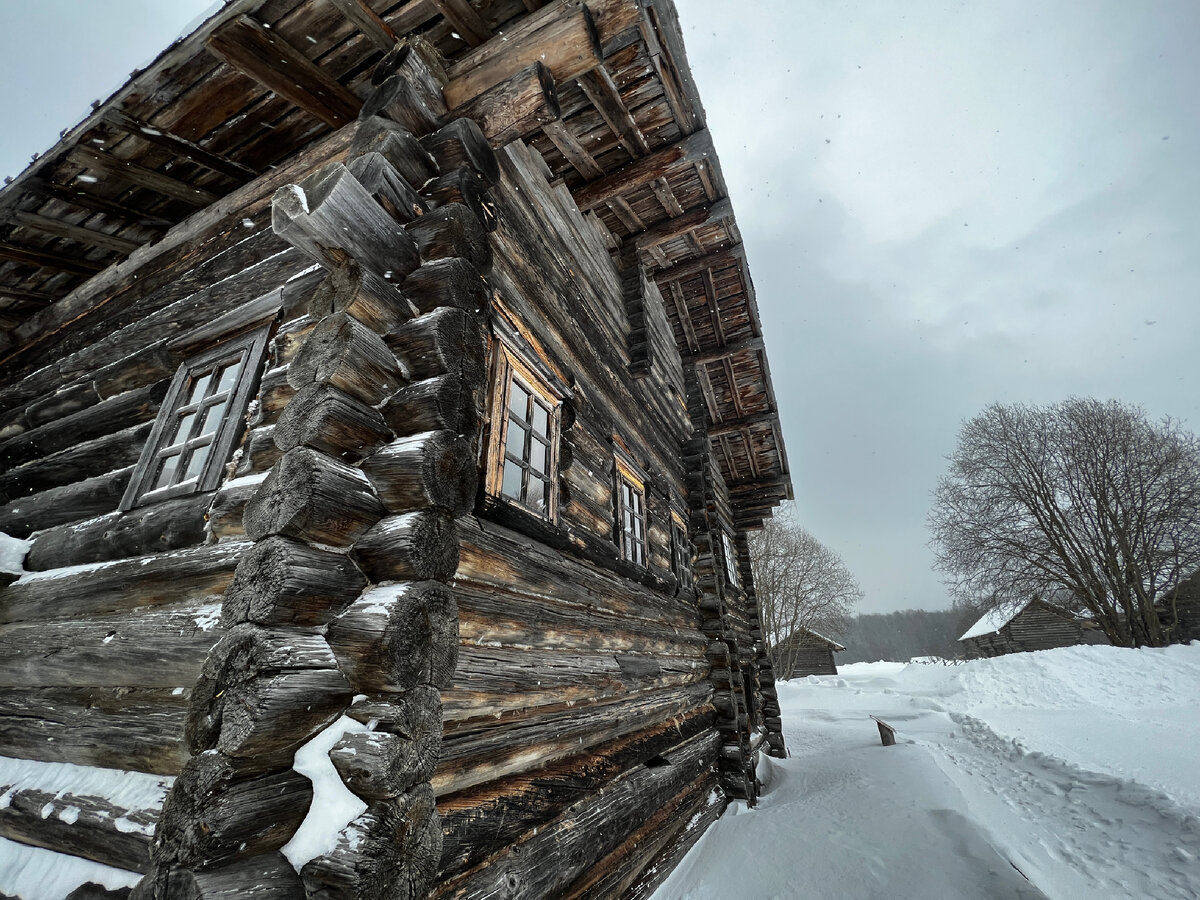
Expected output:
(899, 636)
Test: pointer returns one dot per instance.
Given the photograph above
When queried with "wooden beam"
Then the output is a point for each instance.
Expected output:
(679, 225)
(367, 21)
(625, 213)
(645, 170)
(80, 198)
(720, 259)
(51, 261)
(465, 21)
(600, 88)
(666, 196)
(738, 424)
(702, 357)
(70, 232)
(567, 44)
(412, 15)
(109, 165)
(714, 309)
(568, 145)
(515, 108)
(685, 319)
(260, 54)
(181, 147)
(30, 296)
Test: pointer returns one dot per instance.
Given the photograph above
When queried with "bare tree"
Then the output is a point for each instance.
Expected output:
(1083, 499)
(800, 584)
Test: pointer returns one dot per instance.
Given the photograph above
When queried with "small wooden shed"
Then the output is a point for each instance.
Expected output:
(384, 377)
(1038, 625)
(808, 653)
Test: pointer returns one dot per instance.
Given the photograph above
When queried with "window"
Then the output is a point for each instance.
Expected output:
(731, 565)
(681, 552)
(631, 514)
(197, 424)
(524, 439)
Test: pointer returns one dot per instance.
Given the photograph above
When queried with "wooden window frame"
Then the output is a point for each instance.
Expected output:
(681, 552)
(245, 352)
(731, 561)
(632, 525)
(512, 370)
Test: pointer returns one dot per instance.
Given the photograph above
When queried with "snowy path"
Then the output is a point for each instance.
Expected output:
(1011, 779)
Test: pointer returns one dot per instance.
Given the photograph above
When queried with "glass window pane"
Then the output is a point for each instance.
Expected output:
(537, 456)
(166, 471)
(199, 386)
(518, 402)
(195, 463)
(182, 430)
(515, 443)
(512, 480)
(212, 418)
(536, 493)
(541, 419)
(227, 377)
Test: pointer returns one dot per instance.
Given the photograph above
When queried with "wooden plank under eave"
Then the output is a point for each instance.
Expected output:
(255, 51)
(678, 225)
(109, 165)
(573, 151)
(567, 45)
(730, 426)
(464, 20)
(181, 147)
(46, 225)
(52, 261)
(645, 170)
(720, 353)
(719, 259)
(368, 22)
(601, 90)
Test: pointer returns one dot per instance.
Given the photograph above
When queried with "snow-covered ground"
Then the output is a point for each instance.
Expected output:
(1071, 773)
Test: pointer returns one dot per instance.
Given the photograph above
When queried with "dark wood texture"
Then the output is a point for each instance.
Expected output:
(285, 582)
(418, 546)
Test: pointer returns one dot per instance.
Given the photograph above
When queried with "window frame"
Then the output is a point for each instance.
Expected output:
(631, 542)
(681, 552)
(731, 561)
(248, 349)
(510, 370)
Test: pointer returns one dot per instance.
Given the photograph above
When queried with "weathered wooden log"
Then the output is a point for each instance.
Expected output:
(490, 817)
(462, 143)
(694, 820)
(516, 108)
(158, 646)
(84, 460)
(130, 408)
(442, 403)
(434, 469)
(229, 505)
(398, 636)
(181, 575)
(268, 876)
(312, 497)
(412, 93)
(397, 145)
(274, 392)
(401, 752)
(262, 693)
(480, 755)
(391, 850)
(169, 525)
(447, 341)
(452, 231)
(367, 297)
(140, 368)
(327, 419)
(334, 218)
(463, 186)
(64, 402)
(345, 353)
(258, 452)
(217, 811)
(139, 729)
(447, 282)
(83, 826)
(586, 832)
(284, 582)
(389, 188)
(412, 546)
(568, 44)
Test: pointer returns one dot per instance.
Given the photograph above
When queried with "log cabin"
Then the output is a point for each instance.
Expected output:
(806, 652)
(1038, 625)
(382, 383)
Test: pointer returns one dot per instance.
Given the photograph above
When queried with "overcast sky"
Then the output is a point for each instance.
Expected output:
(943, 205)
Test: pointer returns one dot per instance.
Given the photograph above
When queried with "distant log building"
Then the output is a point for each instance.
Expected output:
(809, 653)
(1038, 625)
(388, 373)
